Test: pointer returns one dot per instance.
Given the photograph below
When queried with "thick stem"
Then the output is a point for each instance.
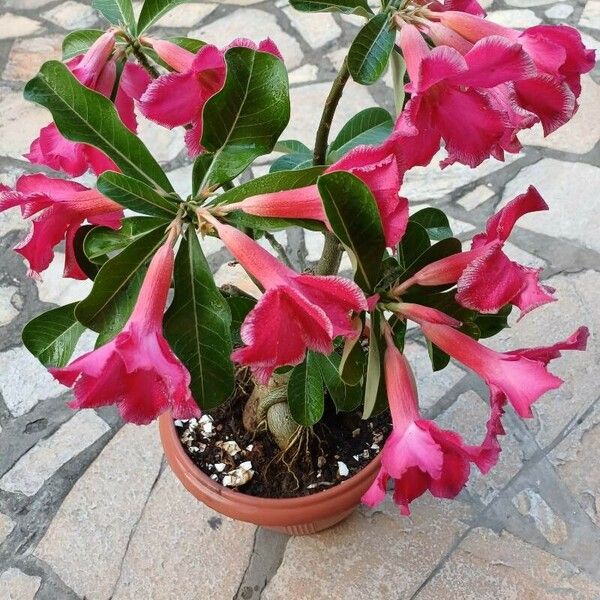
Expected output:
(143, 60)
(332, 251)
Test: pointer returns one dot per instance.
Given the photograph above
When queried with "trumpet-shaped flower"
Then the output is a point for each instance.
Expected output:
(486, 278)
(61, 207)
(297, 311)
(137, 370)
(418, 455)
(179, 98)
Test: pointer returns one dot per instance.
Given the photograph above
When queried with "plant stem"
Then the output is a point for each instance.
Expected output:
(329, 262)
(278, 248)
(143, 59)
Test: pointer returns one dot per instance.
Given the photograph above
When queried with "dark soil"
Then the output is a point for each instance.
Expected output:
(312, 465)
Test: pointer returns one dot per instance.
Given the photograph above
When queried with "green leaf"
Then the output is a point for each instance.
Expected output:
(399, 328)
(101, 241)
(136, 195)
(354, 218)
(370, 50)
(345, 397)
(79, 42)
(352, 364)
(370, 126)
(414, 243)
(245, 119)
(101, 306)
(292, 147)
(153, 10)
(305, 392)
(398, 65)
(52, 336)
(272, 182)
(89, 267)
(117, 12)
(434, 221)
(490, 325)
(240, 304)
(358, 7)
(291, 162)
(197, 326)
(201, 173)
(83, 115)
(439, 359)
(374, 375)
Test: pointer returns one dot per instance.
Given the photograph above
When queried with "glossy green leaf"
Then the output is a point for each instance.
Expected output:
(370, 51)
(370, 126)
(490, 325)
(291, 162)
(414, 243)
(117, 12)
(358, 7)
(240, 304)
(52, 336)
(201, 173)
(197, 326)
(306, 397)
(439, 359)
(153, 10)
(374, 361)
(292, 147)
(101, 241)
(352, 364)
(398, 66)
(345, 397)
(399, 328)
(136, 195)
(434, 221)
(78, 42)
(98, 310)
(83, 115)
(89, 267)
(354, 218)
(245, 119)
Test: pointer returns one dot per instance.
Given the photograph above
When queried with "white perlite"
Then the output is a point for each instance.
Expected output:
(35, 467)
(16, 585)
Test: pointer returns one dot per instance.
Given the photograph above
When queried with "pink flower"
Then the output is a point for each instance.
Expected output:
(419, 455)
(377, 166)
(448, 93)
(297, 311)
(62, 206)
(486, 278)
(520, 378)
(97, 71)
(137, 370)
(178, 99)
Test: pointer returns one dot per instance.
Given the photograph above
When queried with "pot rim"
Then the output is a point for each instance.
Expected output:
(170, 438)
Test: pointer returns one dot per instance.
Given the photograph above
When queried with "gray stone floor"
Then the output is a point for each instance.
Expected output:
(88, 508)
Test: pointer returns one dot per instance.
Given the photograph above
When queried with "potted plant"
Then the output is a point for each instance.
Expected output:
(287, 408)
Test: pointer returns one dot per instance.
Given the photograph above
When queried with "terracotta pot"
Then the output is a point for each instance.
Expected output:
(295, 516)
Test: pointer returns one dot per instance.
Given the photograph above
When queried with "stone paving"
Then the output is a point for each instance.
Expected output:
(88, 508)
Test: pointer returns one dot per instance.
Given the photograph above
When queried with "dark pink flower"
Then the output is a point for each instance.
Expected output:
(448, 93)
(178, 99)
(97, 71)
(486, 278)
(137, 370)
(418, 455)
(297, 311)
(61, 207)
(376, 166)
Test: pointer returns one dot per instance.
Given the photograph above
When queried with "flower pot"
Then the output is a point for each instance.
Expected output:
(294, 516)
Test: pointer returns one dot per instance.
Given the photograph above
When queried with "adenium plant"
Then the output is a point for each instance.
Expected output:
(460, 82)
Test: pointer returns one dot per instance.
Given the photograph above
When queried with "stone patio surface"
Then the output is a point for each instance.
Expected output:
(88, 507)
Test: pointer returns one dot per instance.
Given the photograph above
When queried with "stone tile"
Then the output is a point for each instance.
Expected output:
(186, 15)
(519, 19)
(256, 25)
(55, 289)
(235, 275)
(432, 386)
(190, 534)
(375, 557)
(24, 381)
(15, 26)
(304, 122)
(182, 180)
(20, 124)
(581, 133)
(8, 310)
(26, 4)
(559, 11)
(575, 295)
(523, 257)
(468, 416)
(569, 189)
(86, 542)
(164, 144)
(72, 15)
(529, 503)
(35, 467)
(490, 566)
(528, 3)
(317, 29)
(476, 197)
(303, 74)
(590, 17)
(6, 526)
(314, 242)
(430, 183)
(16, 585)
(26, 57)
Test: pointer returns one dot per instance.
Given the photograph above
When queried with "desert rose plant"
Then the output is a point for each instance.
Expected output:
(314, 339)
